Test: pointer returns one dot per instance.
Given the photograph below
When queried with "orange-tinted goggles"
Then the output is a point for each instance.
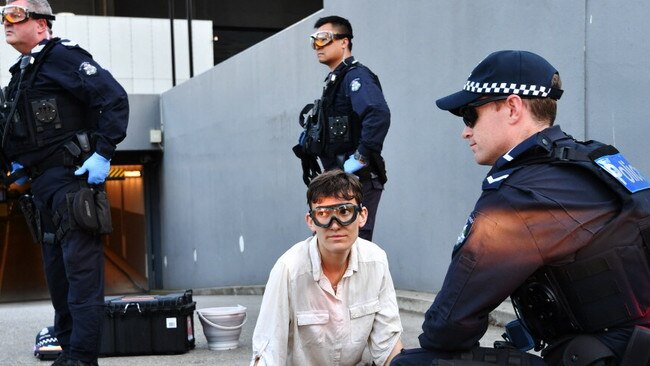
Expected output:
(323, 38)
(14, 14)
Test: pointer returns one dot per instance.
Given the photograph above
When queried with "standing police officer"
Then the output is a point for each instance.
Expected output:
(64, 117)
(350, 122)
(562, 227)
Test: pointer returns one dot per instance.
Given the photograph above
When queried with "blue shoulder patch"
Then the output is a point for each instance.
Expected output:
(618, 167)
(462, 237)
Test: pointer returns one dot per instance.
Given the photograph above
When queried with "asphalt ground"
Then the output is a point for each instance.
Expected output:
(21, 321)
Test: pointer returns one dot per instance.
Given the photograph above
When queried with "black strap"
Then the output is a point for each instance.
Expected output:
(305, 109)
(36, 64)
(37, 60)
(332, 85)
(638, 348)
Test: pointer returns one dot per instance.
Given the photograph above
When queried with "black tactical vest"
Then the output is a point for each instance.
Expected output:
(46, 113)
(607, 284)
(341, 126)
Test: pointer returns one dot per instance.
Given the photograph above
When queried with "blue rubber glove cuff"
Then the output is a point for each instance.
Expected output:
(352, 165)
(15, 166)
(97, 167)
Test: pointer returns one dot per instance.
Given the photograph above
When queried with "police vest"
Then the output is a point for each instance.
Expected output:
(606, 284)
(341, 127)
(46, 114)
(331, 129)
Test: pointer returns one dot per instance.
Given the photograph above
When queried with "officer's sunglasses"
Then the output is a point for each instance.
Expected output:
(344, 214)
(323, 38)
(468, 111)
(15, 14)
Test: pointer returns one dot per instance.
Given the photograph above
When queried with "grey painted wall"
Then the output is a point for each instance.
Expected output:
(232, 197)
(144, 115)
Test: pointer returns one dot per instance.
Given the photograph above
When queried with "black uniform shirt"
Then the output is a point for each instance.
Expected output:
(70, 70)
(360, 94)
(540, 214)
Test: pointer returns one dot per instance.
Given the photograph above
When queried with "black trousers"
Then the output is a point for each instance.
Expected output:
(74, 270)
(474, 357)
(372, 190)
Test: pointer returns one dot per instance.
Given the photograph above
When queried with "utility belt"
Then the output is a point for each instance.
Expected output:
(60, 158)
(72, 153)
(87, 209)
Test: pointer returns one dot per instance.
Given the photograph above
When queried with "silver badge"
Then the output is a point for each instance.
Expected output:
(88, 68)
(464, 233)
(355, 84)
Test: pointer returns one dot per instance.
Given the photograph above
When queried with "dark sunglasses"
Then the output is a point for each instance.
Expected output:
(344, 214)
(468, 111)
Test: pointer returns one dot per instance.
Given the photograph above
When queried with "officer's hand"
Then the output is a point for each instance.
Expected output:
(352, 165)
(97, 167)
(16, 166)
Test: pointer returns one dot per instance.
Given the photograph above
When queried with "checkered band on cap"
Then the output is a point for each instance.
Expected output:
(506, 88)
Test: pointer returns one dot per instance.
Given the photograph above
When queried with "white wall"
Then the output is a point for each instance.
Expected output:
(137, 51)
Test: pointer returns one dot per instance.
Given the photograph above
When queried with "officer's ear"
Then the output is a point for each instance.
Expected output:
(516, 107)
(42, 26)
(345, 42)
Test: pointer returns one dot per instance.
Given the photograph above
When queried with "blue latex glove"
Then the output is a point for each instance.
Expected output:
(15, 166)
(97, 167)
(352, 165)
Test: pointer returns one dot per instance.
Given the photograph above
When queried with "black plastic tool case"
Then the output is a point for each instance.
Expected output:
(148, 324)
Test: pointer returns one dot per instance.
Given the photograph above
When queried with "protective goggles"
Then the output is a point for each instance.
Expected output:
(14, 14)
(323, 38)
(344, 214)
(468, 111)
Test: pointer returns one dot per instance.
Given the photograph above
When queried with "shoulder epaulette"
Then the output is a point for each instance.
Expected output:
(68, 43)
(496, 179)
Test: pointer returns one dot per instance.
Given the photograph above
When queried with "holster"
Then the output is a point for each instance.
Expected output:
(89, 210)
(581, 350)
(32, 217)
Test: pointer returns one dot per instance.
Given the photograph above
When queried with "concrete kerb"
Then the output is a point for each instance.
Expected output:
(420, 302)
(413, 301)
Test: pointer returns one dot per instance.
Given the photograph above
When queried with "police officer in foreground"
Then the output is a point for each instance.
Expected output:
(64, 115)
(562, 227)
(347, 126)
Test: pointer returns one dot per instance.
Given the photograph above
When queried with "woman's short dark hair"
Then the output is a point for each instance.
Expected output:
(334, 183)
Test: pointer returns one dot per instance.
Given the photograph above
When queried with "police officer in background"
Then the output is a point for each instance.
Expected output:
(562, 227)
(64, 117)
(349, 123)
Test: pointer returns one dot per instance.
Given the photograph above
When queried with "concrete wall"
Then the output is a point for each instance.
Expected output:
(232, 197)
(144, 116)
